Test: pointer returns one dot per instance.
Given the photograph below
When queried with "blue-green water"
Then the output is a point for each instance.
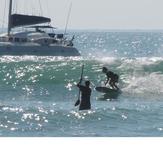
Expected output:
(37, 94)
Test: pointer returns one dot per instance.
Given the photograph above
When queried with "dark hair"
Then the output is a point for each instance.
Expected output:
(87, 83)
(104, 69)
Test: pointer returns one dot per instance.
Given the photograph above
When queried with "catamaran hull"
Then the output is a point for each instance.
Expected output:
(54, 50)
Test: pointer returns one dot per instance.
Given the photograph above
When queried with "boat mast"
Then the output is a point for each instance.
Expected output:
(68, 16)
(9, 17)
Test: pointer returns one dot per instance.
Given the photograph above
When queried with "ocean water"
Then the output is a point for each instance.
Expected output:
(37, 94)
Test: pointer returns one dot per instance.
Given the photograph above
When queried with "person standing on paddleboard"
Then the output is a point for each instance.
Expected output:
(112, 78)
(85, 103)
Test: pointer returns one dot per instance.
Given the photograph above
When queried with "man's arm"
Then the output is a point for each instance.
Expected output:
(79, 84)
(81, 87)
(107, 81)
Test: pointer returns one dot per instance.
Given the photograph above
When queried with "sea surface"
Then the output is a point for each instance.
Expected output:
(37, 94)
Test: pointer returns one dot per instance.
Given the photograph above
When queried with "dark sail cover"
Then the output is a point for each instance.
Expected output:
(22, 20)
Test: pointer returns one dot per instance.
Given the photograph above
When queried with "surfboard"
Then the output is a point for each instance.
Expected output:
(107, 90)
(108, 93)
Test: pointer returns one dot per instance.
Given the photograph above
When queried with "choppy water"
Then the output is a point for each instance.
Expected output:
(37, 94)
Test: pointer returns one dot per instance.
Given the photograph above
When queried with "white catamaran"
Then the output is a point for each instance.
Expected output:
(35, 40)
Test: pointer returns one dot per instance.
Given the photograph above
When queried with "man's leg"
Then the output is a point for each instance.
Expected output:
(111, 84)
(115, 86)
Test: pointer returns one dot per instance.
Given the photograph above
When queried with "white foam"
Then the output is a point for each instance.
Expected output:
(145, 84)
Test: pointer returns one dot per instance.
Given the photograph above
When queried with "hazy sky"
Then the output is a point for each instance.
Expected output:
(96, 14)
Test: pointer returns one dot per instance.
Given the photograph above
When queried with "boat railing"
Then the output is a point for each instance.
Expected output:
(3, 39)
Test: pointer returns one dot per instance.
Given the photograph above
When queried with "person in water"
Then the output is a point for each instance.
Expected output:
(112, 78)
(85, 103)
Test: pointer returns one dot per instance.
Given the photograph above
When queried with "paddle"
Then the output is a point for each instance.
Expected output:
(81, 77)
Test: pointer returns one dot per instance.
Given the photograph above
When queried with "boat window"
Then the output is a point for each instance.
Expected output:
(45, 40)
(17, 39)
(51, 35)
(10, 39)
(54, 41)
(59, 36)
(23, 40)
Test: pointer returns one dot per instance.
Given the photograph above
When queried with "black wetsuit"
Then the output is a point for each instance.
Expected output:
(85, 103)
(112, 76)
